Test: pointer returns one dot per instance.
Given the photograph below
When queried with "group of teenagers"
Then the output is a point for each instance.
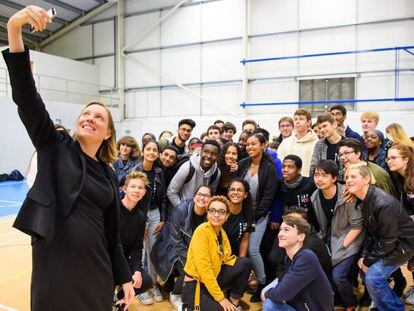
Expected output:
(296, 220)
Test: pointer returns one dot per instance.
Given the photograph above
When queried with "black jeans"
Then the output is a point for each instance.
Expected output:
(230, 277)
(178, 285)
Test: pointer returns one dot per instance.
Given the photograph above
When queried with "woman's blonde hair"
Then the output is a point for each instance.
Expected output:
(398, 135)
(107, 151)
(130, 142)
(363, 170)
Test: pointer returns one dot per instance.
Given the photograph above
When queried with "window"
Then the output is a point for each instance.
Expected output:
(326, 89)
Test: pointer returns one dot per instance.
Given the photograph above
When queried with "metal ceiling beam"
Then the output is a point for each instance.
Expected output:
(48, 32)
(30, 43)
(66, 6)
(77, 22)
(19, 7)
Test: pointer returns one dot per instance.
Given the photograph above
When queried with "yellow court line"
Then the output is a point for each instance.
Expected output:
(15, 276)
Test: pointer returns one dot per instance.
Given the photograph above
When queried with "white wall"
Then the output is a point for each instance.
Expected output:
(325, 26)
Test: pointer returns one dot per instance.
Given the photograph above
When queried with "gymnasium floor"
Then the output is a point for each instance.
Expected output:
(15, 257)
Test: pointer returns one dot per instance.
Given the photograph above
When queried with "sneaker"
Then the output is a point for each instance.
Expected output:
(409, 291)
(145, 299)
(372, 307)
(410, 299)
(176, 301)
(156, 293)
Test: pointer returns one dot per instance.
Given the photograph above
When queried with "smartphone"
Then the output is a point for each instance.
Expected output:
(52, 13)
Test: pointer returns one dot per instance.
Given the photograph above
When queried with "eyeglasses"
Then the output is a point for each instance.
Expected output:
(186, 130)
(203, 195)
(345, 154)
(239, 190)
(218, 212)
(392, 158)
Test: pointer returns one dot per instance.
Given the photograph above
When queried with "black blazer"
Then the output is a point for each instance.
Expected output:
(61, 170)
(267, 184)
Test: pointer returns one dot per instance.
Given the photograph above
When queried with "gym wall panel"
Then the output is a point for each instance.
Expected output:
(332, 40)
(176, 102)
(273, 16)
(183, 27)
(181, 65)
(377, 36)
(273, 91)
(273, 46)
(104, 38)
(318, 13)
(106, 71)
(222, 19)
(137, 75)
(222, 61)
(222, 99)
(135, 26)
(371, 10)
(64, 46)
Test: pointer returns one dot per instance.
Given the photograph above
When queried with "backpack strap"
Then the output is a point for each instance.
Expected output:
(190, 173)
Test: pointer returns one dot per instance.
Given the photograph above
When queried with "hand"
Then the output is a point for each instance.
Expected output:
(347, 196)
(274, 225)
(412, 217)
(137, 279)
(227, 305)
(262, 296)
(128, 295)
(33, 15)
(361, 265)
(159, 227)
(234, 167)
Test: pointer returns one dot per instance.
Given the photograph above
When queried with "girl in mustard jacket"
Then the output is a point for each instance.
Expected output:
(210, 268)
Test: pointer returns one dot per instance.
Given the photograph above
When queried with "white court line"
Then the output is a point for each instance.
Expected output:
(5, 308)
(9, 206)
(13, 240)
(12, 202)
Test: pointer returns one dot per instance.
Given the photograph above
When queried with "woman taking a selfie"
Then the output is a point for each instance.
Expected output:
(71, 211)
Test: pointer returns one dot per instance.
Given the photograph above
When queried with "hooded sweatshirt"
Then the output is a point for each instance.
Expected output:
(302, 147)
(178, 190)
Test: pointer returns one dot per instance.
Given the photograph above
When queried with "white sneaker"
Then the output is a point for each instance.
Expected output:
(410, 299)
(156, 293)
(176, 301)
(372, 306)
(409, 291)
(145, 299)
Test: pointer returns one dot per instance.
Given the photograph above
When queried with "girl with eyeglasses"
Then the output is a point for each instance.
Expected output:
(169, 253)
(211, 269)
(239, 225)
(400, 159)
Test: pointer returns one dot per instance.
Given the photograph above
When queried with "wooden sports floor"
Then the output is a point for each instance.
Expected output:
(15, 258)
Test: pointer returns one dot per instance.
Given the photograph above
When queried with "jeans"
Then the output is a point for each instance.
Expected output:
(270, 305)
(376, 281)
(153, 220)
(342, 279)
(255, 240)
(230, 277)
